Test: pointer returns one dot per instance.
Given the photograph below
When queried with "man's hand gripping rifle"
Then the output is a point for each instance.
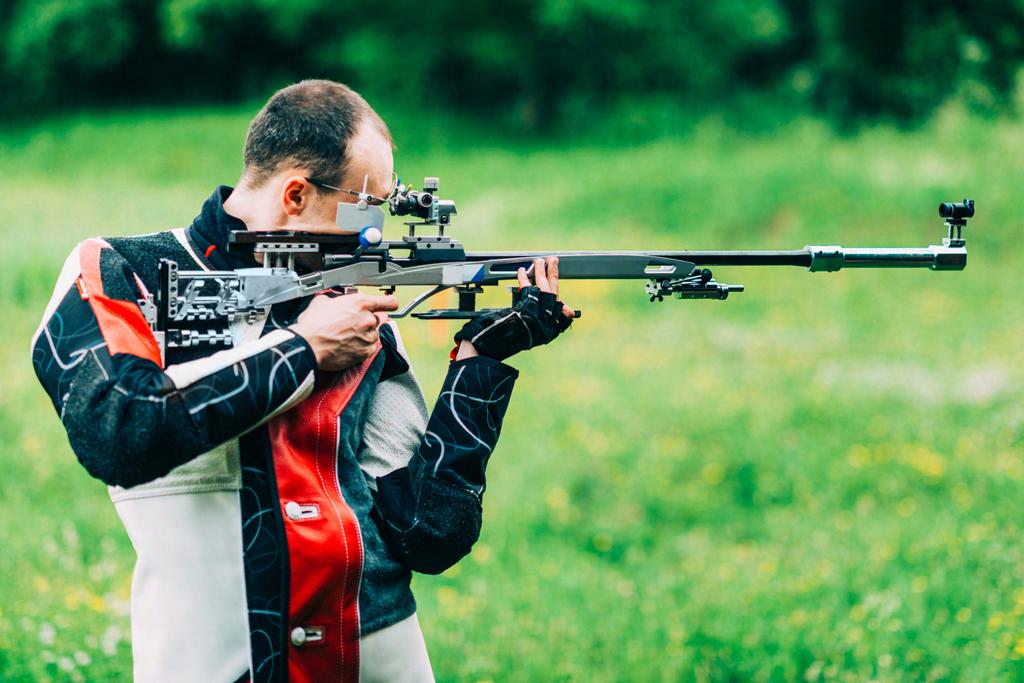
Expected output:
(199, 307)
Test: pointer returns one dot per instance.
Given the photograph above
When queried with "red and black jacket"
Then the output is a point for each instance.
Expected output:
(253, 454)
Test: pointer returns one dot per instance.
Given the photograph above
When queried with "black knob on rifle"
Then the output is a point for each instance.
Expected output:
(957, 211)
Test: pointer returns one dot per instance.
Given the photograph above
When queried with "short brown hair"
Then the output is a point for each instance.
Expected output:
(308, 124)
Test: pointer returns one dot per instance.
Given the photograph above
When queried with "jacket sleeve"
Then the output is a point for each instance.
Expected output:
(430, 511)
(128, 420)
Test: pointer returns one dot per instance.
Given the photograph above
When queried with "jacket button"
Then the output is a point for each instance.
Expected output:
(294, 511)
(298, 636)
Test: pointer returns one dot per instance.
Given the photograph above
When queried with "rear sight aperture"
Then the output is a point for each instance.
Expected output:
(413, 203)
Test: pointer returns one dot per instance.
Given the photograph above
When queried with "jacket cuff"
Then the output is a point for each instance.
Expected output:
(309, 356)
(502, 369)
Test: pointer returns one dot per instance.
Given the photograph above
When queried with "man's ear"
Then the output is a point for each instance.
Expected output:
(296, 195)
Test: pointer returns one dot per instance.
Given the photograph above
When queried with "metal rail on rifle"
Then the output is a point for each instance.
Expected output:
(195, 307)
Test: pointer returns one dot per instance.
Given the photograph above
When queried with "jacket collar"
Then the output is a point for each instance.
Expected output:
(209, 233)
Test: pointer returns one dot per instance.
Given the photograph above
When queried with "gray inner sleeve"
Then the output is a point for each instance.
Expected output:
(395, 424)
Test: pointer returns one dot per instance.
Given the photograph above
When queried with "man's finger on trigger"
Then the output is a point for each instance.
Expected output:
(540, 277)
(380, 303)
(522, 278)
(382, 318)
(553, 274)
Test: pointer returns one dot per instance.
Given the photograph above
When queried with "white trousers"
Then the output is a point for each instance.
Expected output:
(396, 654)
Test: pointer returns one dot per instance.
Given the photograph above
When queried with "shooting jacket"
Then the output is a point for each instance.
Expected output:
(276, 510)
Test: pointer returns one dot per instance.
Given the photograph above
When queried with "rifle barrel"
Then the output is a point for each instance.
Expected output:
(816, 258)
(796, 257)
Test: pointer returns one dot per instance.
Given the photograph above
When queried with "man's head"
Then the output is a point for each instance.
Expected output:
(310, 135)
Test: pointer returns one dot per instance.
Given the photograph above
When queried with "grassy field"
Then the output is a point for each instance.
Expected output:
(817, 480)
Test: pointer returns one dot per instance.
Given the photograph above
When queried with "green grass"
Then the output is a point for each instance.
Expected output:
(817, 480)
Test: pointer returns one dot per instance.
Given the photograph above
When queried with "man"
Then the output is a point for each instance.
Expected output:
(278, 493)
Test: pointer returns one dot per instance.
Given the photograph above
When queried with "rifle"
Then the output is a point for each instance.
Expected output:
(193, 308)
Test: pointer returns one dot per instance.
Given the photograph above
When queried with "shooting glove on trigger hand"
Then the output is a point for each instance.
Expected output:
(535, 318)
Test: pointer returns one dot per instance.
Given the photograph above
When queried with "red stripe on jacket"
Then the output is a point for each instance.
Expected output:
(122, 324)
(325, 552)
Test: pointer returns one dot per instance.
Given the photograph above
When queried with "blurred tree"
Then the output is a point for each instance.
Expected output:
(531, 61)
(903, 59)
(52, 41)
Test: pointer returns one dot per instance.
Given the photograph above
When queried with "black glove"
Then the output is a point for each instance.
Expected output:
(535, 318)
